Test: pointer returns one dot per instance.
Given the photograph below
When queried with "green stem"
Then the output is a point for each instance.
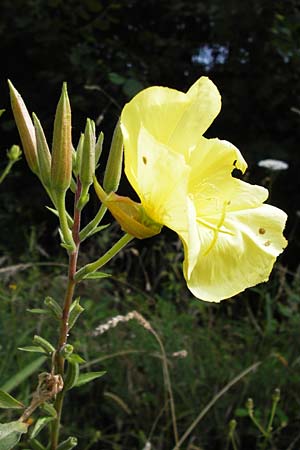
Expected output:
(63, 220)
(92, 267)
(93, 223)
(64, 328)
(6, 170)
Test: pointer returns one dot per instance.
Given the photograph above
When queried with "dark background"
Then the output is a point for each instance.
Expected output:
(109, 50)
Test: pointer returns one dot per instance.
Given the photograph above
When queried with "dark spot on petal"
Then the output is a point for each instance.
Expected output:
(229, 202)
(261, 231)
(144, 160)
(267, 243)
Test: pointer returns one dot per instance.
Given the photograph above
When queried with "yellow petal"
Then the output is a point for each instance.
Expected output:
(160, 180)
(173, 118)
(238, 255)
(204, 104)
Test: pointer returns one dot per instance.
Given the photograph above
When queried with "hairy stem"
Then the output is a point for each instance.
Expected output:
(64, 328)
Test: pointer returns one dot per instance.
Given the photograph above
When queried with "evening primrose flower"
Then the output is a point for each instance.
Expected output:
(184, 181)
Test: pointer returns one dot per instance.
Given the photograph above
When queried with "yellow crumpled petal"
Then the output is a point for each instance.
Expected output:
(237, 254)
(184, 181)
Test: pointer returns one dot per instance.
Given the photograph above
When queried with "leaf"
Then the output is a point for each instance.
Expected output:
(1, 112)
(32, 349)
(132, 87)
(97, 229)
(117, 79)
(49, 409)
(19, 377)
(96, 275)
(75, 358)
(37, 311)
(7, 401)
(85, 378)
(39, 425)
(10, 434)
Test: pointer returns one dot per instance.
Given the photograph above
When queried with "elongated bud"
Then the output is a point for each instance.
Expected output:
(87, 167)
(98, 148)
(87, 162)
(130, 215)
(14, 153)
(43, 153)
(25, 128)
(113, 169)
(61, 167)
(78, 155)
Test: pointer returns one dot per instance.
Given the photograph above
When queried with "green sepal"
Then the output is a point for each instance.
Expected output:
(32, 349)
(53, 307)
(10, 434)
(36, 445)
(70, 443)
(39, 425)
(1, 112)
(72, 375)
(75, 310)
(73, 185)
(37, 311)
(95, 275)
(9, 402)
(85, 378)
(44, 344)
(75, 358)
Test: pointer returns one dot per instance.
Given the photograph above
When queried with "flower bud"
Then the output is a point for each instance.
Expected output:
(78, 155)
(130, 215)
(87, 162)
(61, 167)
(113, 169)
(87, 166)
(14, 153)
(98, 147)
(43, 153)
(25, 128)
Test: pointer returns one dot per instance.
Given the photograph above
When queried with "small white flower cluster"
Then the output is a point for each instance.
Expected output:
(273, 164)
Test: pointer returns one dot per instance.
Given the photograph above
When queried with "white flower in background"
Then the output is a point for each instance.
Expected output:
(273, 164)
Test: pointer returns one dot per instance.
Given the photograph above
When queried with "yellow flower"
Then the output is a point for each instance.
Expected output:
(231, 239)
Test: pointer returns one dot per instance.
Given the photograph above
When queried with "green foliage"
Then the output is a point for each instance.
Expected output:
(206, 346)
(10, 434)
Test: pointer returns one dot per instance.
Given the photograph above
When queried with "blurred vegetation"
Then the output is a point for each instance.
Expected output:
(216, 342)
(108, 51)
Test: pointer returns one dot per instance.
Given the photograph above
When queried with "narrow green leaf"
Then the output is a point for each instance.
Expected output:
(96, 275)
(37, 311)
(7, 401)
(39, 425)
(10, 434)
(32, 349)
(1, 112)
(49, 409)
(97, 229)
(23, 374)
(85, 378)
(75, 358)
(36, 445)
(70, 443)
